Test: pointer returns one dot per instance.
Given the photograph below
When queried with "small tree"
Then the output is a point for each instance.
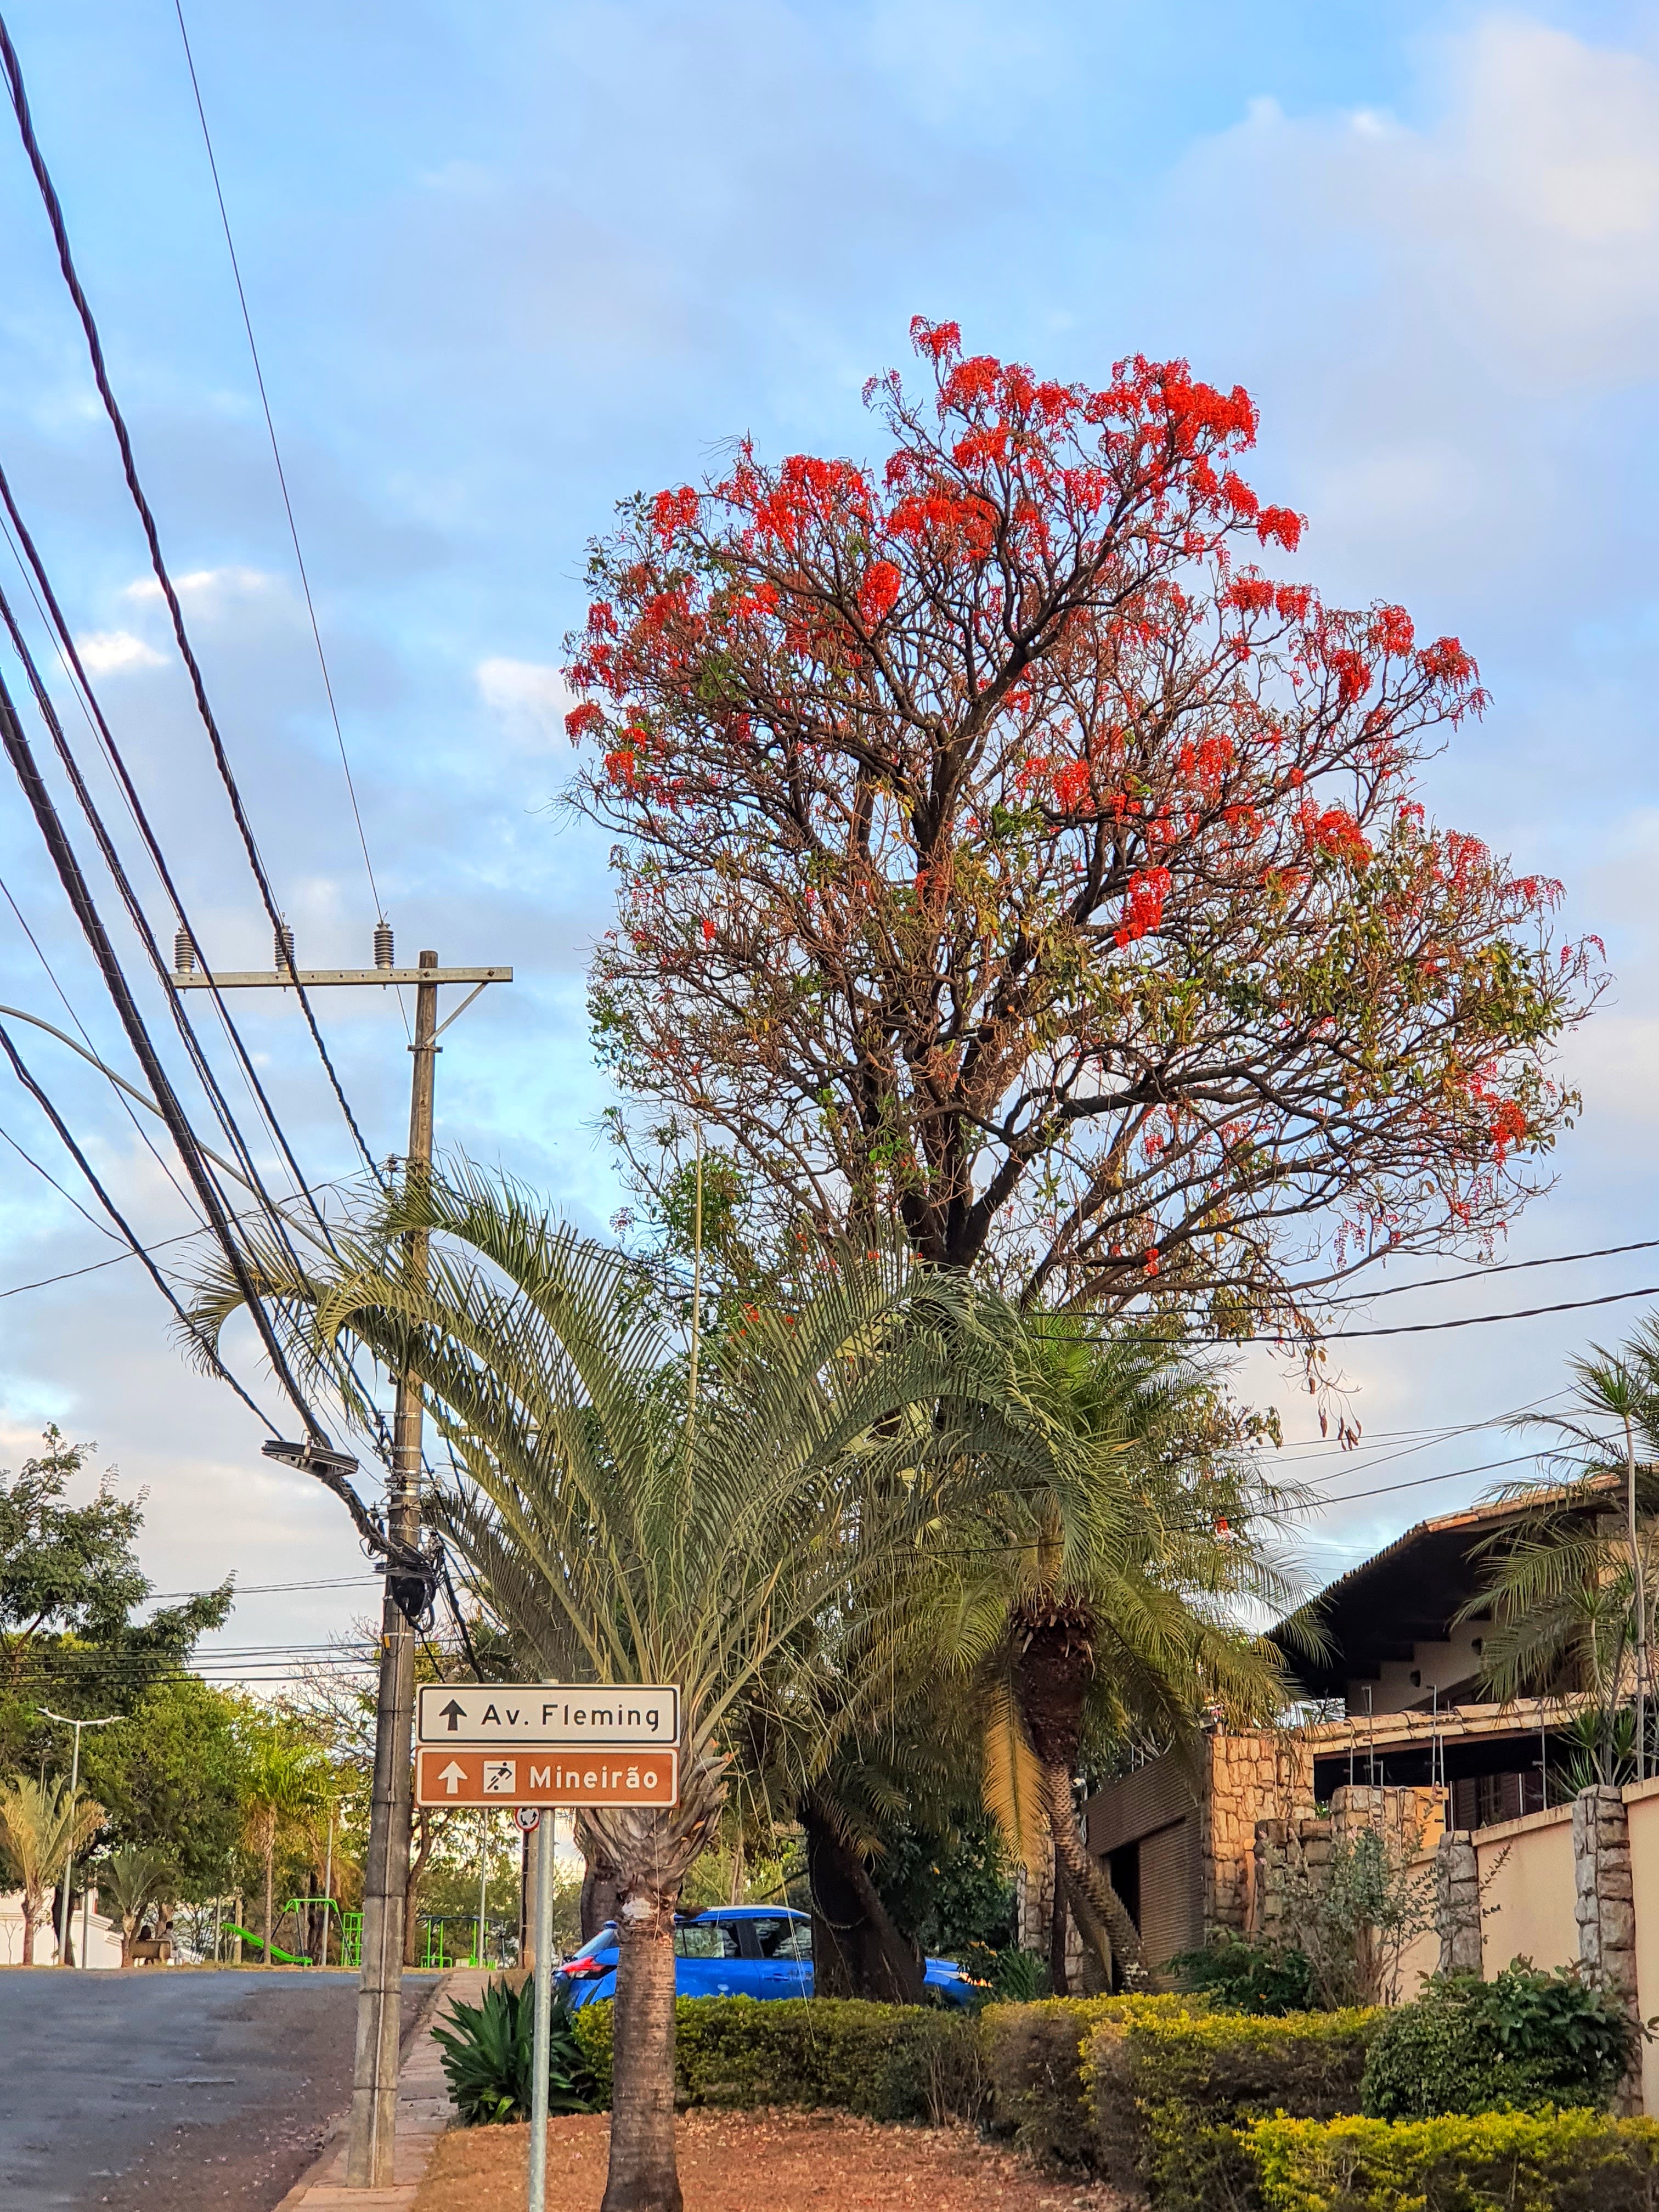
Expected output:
(43, 1832)
(1354, 1917)
(1570, 1586)
(281, 1793)
(69, 1580)
(129, 1882)
(1001, 855)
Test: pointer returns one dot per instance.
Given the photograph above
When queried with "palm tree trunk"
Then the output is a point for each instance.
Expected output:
(29, 1912)
(1102, 1915)
(857, 1951)
(1058, 1909)
(643, 2175)
(599, 1881)
(270, 1854)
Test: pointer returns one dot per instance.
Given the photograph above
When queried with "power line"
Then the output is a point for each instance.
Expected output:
(22, 757)
(122, 882)
(1285, 1337)
(115, 1213)
(129, 468)
(46, 1176)
(1499, 1267)
(160, 1244)
(276, 455)
(144, 1138)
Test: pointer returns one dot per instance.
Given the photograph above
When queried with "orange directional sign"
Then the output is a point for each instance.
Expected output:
(469, 1775)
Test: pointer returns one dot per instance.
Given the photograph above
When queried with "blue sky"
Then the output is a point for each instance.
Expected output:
(508, 264)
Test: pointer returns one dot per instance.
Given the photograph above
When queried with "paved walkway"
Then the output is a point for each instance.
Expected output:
(423, 2112)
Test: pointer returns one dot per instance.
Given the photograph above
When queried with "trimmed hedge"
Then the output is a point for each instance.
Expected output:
(884, 2062)
(1170, 2092)
(1034, 2056)
(1571, 2161)
(1523, 2040)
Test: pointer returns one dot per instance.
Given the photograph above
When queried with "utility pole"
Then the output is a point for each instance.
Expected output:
(64, 1721)
(386, 1875)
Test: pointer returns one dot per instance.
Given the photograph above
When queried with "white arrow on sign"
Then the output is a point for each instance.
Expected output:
(453, 1776)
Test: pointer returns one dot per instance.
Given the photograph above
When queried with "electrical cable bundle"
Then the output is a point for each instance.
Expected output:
(203, 1169)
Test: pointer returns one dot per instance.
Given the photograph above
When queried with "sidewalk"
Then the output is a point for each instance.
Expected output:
(423, 2112)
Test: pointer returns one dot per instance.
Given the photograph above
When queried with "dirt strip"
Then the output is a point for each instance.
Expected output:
(772, 2162)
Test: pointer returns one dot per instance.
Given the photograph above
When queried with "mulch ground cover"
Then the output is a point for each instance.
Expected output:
(771, 2161)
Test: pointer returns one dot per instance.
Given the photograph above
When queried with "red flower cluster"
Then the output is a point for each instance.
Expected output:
(1143, 910)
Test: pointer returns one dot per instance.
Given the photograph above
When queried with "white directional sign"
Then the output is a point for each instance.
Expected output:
(547, 1715)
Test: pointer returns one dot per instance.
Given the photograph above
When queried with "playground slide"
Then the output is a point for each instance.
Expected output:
(283, 1957)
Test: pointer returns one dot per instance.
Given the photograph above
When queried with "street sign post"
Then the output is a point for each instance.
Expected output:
(532, 1746)
(550, 1715)
(473, 1774)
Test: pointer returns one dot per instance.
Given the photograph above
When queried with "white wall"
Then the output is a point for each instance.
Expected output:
(103, 1940)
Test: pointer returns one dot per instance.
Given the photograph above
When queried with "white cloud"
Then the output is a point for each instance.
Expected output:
(200, 583)
(105, 651)
(1522, 222)
(530, 697)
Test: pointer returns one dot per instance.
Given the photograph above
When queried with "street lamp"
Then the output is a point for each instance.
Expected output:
(64, 1721)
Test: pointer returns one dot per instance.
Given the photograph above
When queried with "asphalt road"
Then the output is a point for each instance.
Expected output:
(166, 2088)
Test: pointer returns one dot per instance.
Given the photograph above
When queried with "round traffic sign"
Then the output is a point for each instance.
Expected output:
(528, 1817)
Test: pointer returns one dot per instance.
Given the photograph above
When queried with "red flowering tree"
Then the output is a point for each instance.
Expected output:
(1004, 854)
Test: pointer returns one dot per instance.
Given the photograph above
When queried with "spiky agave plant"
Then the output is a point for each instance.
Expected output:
(487, 2051)
(623, 1525)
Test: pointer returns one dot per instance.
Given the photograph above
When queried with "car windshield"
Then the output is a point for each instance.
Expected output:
(604, 1941)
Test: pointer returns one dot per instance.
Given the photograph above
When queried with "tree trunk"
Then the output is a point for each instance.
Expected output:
(643, 2175)
(1102, 1918)
(65, 1921)
(418, 1866)
(128, 1929)
(29, 1912)
(1058, 1909)
(598, 1901)
(857, 1951)
(270, 1855)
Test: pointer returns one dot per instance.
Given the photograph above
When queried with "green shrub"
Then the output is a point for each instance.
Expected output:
(884, 2062)
(1169, 2092)
(1241, 1976)
(1019, 1977)
(488, 2054)
(1572, 2161)
(1523, 2038)
(1034, 2058)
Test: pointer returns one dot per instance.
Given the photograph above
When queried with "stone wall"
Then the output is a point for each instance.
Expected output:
(1457, 1903)
(1250, 1778)
(1604, 1905)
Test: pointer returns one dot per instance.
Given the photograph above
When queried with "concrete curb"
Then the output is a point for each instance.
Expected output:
(322, 2185)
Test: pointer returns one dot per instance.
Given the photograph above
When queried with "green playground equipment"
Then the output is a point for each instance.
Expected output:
(442, 1951)
(283, 1957)
(350, 1948)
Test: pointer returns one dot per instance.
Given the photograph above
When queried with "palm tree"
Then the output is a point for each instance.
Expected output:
(129, 1882)
(43, 1831)
(282, 1791)
(1571, 1595)
(625, 1515)
(1114, 1627)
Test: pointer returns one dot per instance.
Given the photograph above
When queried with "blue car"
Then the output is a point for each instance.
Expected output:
(730, 1951)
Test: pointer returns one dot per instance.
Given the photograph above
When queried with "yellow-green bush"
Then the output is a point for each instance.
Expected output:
(1169, 2092)
(885, 2062)
(1572, 2161)
(1034, 2059)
